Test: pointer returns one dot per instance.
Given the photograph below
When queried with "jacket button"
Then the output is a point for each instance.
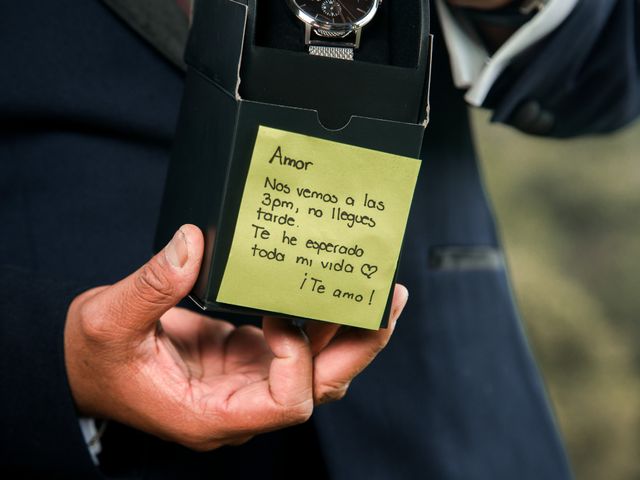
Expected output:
(531, 118)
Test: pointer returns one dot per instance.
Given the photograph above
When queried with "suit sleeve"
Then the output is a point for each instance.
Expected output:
(583, 78)
(39, 430)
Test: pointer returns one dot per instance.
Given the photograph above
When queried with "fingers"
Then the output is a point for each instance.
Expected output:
(320, 334)
(290, 374)
(137, 302)
(350, 352)
(296, 380)
(285, 397)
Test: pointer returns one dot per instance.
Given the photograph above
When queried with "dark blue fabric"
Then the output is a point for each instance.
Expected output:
(586, 73)
(87, 114)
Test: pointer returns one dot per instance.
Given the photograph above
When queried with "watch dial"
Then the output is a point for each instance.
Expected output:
(335, 12)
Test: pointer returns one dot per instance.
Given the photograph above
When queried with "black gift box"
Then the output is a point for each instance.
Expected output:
(247, 66)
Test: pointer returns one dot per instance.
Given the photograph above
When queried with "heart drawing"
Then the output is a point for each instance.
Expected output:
(368, 270)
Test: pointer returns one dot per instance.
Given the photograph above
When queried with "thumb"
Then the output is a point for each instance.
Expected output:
(137, 302)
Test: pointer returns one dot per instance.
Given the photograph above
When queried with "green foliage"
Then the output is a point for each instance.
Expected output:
(568, 214)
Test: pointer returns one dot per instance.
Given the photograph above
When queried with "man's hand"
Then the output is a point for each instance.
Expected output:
(132, 356)
(481, 4)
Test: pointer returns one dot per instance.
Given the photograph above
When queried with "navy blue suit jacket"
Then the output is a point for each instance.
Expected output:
(87, 115)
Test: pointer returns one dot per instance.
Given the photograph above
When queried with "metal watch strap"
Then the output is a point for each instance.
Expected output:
(342, 53)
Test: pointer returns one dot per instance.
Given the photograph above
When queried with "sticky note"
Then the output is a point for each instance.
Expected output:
(319, 230)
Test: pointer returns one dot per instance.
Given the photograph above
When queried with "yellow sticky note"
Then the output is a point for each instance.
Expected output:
(319, 230)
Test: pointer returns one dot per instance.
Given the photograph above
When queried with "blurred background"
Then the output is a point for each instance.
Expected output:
(569, 215)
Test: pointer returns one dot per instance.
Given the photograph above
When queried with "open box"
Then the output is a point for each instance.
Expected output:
(255, 99)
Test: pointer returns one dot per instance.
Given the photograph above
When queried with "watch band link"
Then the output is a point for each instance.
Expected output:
(342, 53)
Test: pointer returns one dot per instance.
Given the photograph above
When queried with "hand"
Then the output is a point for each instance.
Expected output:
(481, 4)
(132, 356)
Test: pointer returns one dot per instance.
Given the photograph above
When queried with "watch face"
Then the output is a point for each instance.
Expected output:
(335, 14)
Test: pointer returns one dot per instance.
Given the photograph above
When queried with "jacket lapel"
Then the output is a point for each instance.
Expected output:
(163, 23)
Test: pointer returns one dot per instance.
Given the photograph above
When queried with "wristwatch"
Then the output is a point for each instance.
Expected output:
(333, 27)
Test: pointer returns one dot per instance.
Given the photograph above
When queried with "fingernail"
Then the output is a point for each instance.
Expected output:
(177, 251)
